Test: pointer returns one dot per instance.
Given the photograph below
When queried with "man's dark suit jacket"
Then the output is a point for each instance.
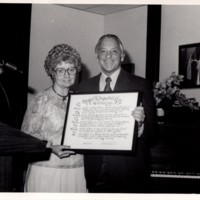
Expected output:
(126, 173)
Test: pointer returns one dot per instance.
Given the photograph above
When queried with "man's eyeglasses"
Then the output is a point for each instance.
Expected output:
(62, 72)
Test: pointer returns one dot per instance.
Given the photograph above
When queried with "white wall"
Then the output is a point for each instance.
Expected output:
(54, 24)
(180, 25)
(131, 27)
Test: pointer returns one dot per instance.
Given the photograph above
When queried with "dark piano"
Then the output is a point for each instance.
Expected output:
(175, 159)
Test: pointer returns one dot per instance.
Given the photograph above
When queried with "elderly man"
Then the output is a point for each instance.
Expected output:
(120, 173)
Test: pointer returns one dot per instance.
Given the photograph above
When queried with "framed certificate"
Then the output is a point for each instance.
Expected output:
(101, 122)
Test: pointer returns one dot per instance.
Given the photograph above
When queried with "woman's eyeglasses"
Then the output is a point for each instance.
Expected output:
(62, 72)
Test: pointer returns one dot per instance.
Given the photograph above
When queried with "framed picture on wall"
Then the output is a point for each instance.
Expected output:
(129, 67)
(189, 65)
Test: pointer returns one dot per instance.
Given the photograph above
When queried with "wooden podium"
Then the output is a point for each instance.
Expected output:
(14, 142)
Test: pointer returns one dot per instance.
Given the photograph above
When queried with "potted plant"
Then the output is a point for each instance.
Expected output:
(169, 97)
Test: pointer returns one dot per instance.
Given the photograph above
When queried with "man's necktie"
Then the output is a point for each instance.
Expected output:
(107, 87)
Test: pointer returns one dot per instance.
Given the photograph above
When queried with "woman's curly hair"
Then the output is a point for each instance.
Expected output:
(59, 53)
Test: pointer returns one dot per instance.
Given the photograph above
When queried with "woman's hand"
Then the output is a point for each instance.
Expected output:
(139, 115)
(61, 151)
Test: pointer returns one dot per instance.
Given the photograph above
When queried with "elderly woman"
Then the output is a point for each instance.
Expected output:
(63, 171)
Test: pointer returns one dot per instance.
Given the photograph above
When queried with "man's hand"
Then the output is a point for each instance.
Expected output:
(139, 115)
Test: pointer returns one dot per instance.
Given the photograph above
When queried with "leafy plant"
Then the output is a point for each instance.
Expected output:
(167, 93)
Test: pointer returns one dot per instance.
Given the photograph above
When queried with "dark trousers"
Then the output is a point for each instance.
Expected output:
(121, 173)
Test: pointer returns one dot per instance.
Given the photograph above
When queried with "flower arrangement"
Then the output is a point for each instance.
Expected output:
(167, 94)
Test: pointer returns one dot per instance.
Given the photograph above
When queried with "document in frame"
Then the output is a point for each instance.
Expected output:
(101, 121)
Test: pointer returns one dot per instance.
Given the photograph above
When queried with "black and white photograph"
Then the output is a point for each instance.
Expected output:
(189, 64)
(99, 100)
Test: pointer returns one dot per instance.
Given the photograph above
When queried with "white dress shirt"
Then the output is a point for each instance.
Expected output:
(114, 77)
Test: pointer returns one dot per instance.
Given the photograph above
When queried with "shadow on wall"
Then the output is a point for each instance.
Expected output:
(127, 64)
(31, 90)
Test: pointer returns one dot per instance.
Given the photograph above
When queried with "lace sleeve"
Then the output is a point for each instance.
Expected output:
(34, 117)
